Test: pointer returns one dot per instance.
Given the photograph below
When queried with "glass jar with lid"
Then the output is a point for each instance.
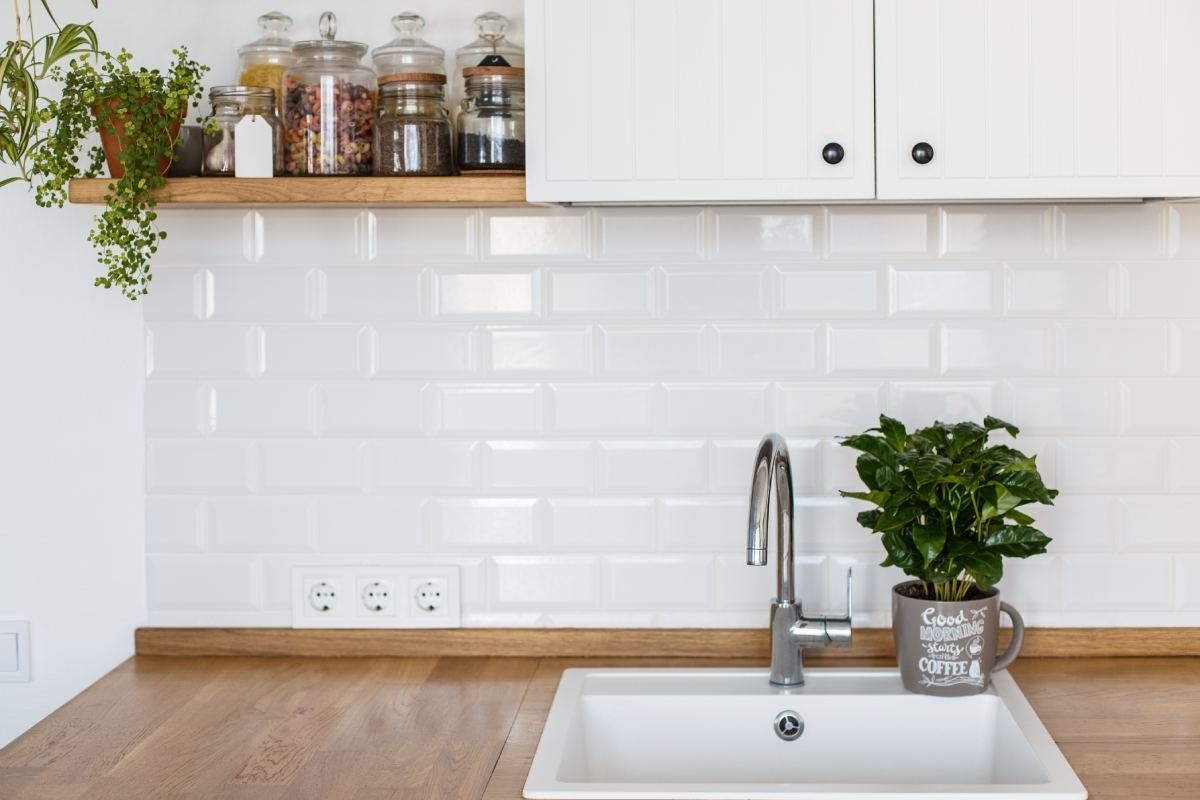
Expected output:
(491, 125)
(329, 107)
(408, 54)
(229, 105)
(263, 61)
(412, 130)
(491, 48)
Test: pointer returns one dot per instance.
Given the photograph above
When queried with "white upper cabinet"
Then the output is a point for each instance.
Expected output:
(993, 99)
(678, 101)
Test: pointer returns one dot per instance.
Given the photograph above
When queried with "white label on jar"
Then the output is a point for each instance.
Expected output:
(252, 148)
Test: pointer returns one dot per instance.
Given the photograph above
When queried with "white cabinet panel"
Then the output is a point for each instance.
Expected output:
(1037, 98)
(698, 100)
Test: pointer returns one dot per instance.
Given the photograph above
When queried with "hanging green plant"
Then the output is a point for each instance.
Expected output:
(137, 112)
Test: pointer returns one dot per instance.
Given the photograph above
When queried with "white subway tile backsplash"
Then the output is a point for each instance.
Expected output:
(1060, 289)
(1184, 357)
(652, 467)
(262, 408)
(1162, 524)
(538, 233)
(731, 465)
(1185, 464)
(919, 403)
(326, 465)
(1064, 406)
(773, 234)
(342, 236)
(952, 292)
(703, 409)
(1110, 464)
(200, 466)
(661, 582)
(259, 525)
(238, 294)
(1032, 583)
(178, 295)
(176, 525)
(540, 466)
(1112, 231)
(1111, 582)
(356, 294)
(767, 351)
(1135, 348)
(877, 349)
(550, 582)
(175, 408)
(705, 524)
(1006, 348)
(824, 407)
(599, 524)
(825, 293)
(1161, 406)
(1160, 288)
(713, 295)
(991, 232)
(368, 524)
(1187, 581)
(421, 350)
(199, 350)
(546, 351)
(503, 408)
(741, 587)
(419, 236)
(370, 408)
(1077, 523)
(894, 230)
(610, 294)
(616, 408)
(483, 523)
(650, 234)
(490, 294)
(208, 582)
(319, 351)
(652, 351)
(416, 465)
(208, 237)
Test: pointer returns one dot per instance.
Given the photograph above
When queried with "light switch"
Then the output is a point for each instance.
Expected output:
(14, 651)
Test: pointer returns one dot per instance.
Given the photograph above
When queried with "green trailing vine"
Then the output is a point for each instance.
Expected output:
(140, 106)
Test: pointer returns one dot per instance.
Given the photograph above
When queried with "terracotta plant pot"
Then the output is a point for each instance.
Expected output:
(948, 648)
(113, 141)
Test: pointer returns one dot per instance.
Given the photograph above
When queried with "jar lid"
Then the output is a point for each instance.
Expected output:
(273, 42)
(491, 49)
(504, 72)
(412, 88)
(241, 93)
(327, 44)
(432, 78)
(408, 53)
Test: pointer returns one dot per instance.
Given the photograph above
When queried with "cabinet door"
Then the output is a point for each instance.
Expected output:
(1037, 98)
(699, 100)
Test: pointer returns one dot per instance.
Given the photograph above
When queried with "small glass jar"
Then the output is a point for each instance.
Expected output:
(229, 105)
(408, 54)
(412, 130)
(491, 125)
(263, 61)
(329, 107)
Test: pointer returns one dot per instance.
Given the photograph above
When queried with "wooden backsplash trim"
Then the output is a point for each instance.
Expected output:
(619, 642)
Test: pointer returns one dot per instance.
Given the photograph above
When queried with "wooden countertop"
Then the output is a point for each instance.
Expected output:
(428, 728)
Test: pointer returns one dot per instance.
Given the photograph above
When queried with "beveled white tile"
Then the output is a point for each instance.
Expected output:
(1161, 405)
(829, 525)
(1158, 524)
(544, 582)
(198, 350)
(703, 524)
(824, 293)
(177, 295)
(1111, 465)
(731, 465)
(370, 408)
(425, 235)
(1032, 583)
(653, 466)
(288, 240)
(368, 524)
(239, 294)
(705, 409)
(838, 470)
(507, 408)
(619, 408)
(503, 619)
(1090, 231)
(600, 619)
(1131, 583)
(1158, 289)
(658, 582)
(1014, 231)
(175, 408)
(943, 291)
(610, 294)
(259, 525)
(641, 234)
(746, 588)
(1007, 348)
(537, 233)
(1061, 289)
(655, 352)
(1077, 523)
(201, 466)
(767, 351)
(540, 466)
(326, 465)
(878, 349)
(258, 408)
(1117, 348)
(1058, 406)
(926, 402)
(484, 523)
(186, 582)
(872, 587)
(765, 233)
(806, 409)
(710, 294)
(416, 465)
(544, 351)
(487, 294)
(424, 350)
(1185, 464)
(358, 295)
(317, 351)
(176, 525)
(1187, 581)
(1185, 347)
(598, 524)
(896, 230)
(207, 237)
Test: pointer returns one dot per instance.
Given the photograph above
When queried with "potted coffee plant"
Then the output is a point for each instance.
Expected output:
(947, 503)
(139, 110)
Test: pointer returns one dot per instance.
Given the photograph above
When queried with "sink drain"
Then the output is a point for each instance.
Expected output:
(789, 725)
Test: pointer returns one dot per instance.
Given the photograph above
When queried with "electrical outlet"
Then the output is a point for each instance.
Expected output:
(376, 596)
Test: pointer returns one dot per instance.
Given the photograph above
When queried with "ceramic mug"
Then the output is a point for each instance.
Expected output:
(948, 648)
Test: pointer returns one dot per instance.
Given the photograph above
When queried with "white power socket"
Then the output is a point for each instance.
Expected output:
(376, 596)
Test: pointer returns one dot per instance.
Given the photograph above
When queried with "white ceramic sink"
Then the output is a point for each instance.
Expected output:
(710, 733)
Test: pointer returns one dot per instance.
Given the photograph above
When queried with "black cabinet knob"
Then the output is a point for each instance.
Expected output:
(833, 153)
(922, 152)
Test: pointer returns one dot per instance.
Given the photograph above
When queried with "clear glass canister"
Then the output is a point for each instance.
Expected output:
(329, 108)
(229, 105)
(491, 125)
(491, 48)
(263, 61)
(412, 131)
(408, 53)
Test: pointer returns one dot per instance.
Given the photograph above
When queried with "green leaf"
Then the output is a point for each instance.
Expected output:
(929, 467)
(984, 566)
(872, 445)
(878, 498)
(1017, 541)
(1019, 517)
(997, 501)
(868, 518)
(930, 540)
(893, 432)
(868, 469)
(901, 553)
(896, 517)
(994, 423)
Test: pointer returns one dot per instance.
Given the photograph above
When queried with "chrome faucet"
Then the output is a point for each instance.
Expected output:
(791, 630)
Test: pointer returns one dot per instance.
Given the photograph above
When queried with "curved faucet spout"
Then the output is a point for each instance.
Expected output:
(772, 468)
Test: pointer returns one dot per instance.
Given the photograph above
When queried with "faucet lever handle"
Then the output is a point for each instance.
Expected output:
(849, 594)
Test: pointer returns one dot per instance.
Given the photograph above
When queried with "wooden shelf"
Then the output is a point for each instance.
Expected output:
(467, 190)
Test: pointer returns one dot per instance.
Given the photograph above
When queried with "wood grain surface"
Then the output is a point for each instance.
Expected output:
(623, 643)
(474, 190)
(441, 728)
